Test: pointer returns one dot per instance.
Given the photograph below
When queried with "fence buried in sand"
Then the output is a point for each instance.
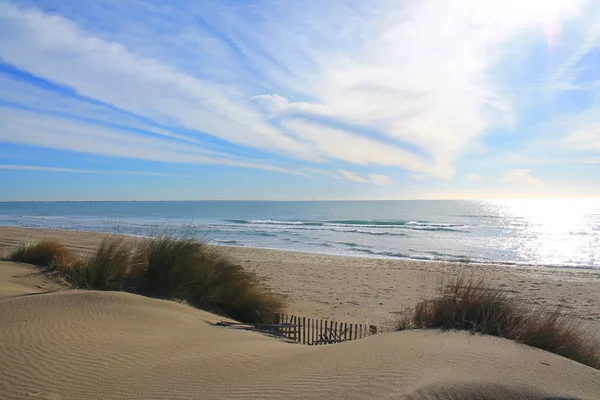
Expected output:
(310, 331)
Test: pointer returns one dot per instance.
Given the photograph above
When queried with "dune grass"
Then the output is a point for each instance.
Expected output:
(469, 304)
(47, 253)
(201, 275)
(108, 269)
(182, 269)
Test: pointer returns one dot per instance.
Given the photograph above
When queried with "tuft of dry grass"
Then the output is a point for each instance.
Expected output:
(108, 268)
(48, 253)
(469, 304)
(193, 271)
(178, 268)
(559, 333)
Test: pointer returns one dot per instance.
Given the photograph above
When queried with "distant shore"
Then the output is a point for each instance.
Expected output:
(357, 289)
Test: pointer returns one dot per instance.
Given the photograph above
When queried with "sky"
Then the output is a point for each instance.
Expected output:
(299, 100)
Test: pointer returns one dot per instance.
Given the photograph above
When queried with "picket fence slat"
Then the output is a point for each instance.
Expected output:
(335, 332)
(295, 328)
(311, 331)
(320, 332)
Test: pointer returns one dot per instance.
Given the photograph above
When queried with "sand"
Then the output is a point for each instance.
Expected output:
(64, 344)
(110, 345)
(353, 289)
(22, 279)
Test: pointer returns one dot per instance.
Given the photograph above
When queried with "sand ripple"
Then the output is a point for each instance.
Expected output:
(109, 345)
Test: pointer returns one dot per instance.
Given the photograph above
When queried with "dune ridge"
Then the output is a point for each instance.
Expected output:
(113, 345)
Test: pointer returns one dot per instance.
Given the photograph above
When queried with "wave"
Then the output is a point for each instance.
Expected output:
(382, 253)
(435, 256)
(450, 257)
(480, 216)
(411, 225)
(433, 224)
(229, 242)
(407, 225)
(319, 223)
(440, 229)
(368, 222)
(262, 233)
(319, 244)
(386, 233)
(41, 217)
(376, 233)
(274, 222)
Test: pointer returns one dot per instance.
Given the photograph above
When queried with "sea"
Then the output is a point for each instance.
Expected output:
(540, 232)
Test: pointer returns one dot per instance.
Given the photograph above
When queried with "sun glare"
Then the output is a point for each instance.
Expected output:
(557, 229)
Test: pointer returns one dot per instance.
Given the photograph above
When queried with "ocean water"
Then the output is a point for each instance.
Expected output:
(537, 232)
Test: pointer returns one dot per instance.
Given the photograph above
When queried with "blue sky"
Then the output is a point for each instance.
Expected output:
(143, 100)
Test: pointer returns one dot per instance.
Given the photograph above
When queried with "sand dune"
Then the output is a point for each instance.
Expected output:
(23, 279)
(110, 345)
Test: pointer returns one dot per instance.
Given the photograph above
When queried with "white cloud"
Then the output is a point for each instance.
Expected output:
(472, 177)
(420, 177)
(370, 178)
(563, 77)
(317, 171)
(558, 160)
(379, 179)
(342, 145)
(523, 179)
(406, 85)
(272, 102)
(586, 139)
(56, 49)
(16, 167)
(351, 176)
(43, 99)
(29, 128)
(429, 87)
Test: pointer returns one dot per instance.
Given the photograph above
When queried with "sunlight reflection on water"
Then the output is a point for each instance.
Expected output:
(553, 231)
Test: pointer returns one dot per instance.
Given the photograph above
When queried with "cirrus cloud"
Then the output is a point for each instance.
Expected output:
(322, 88)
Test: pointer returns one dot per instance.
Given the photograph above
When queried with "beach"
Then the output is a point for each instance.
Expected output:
(255, 200)
(361, 289)
(58, 343)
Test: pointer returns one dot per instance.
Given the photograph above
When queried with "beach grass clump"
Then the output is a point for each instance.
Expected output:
(183, 269)
(558, 333)
(469, 304)
(200, 274)
(47, 253)
(109, 268)
(465, 304)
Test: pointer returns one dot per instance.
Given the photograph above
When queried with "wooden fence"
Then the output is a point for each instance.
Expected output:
(318, 331)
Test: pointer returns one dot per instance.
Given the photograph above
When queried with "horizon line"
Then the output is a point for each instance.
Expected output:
(299, 200)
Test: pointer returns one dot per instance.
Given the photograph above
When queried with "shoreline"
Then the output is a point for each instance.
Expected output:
(466, 261)
(359, 289)
(497, 264)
